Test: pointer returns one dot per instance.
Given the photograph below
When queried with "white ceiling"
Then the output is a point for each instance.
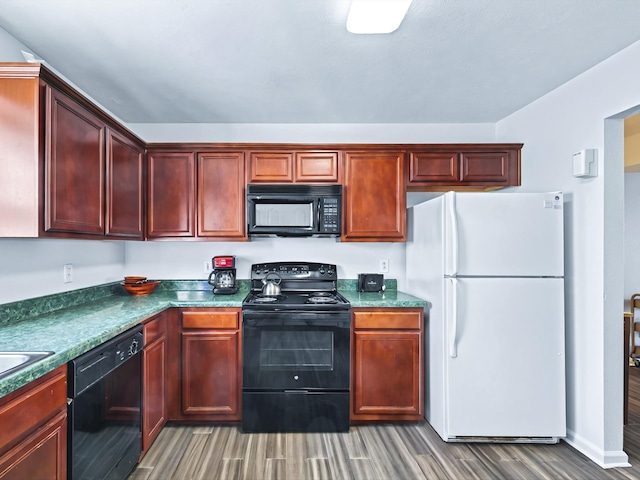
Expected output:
(292, 61)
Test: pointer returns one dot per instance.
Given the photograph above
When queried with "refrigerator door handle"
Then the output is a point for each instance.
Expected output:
(453, 319)
(453, 223)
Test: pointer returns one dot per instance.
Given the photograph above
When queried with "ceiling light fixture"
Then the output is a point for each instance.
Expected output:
(376, 16)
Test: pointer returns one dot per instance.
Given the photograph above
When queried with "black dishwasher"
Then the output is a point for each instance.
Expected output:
(105, 427)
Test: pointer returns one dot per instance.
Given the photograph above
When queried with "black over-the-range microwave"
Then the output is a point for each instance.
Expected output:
(294, 210)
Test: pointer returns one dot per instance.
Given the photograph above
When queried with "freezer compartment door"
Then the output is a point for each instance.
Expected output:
(504, 234)
(505, 360)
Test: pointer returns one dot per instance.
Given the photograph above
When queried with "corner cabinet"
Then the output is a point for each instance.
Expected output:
(387, 365)
(69, 169)
(211, 374)
(468, 166)
(154, 379)
(33, 437)
(374, 198)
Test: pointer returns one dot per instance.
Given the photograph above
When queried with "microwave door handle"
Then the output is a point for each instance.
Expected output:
(318, 225)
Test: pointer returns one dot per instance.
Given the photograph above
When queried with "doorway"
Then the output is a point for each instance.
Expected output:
(632, 253)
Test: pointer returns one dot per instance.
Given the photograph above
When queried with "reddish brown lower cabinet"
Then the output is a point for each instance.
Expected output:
(387, 365)
(211, 373)
(33, 432)
(154, 379)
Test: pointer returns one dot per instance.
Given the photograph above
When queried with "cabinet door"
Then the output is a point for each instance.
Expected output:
(154, 390)
(314, 167)
(171, 194)
(74, 168)
(375, 203)
(465, 166)
(434, 167)
(43, 454)
(124, 186)
(270, 167)
(399, 392)
(210, 374)
(221, 198)
(485, 167)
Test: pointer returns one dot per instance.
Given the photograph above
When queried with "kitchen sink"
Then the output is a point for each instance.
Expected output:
(11, 362)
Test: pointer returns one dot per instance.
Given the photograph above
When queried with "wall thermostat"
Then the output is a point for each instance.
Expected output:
(585, 163)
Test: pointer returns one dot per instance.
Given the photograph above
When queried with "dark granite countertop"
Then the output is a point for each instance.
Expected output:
(73, 323)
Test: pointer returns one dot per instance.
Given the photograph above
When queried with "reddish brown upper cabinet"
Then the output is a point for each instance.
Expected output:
(221, 196)
(313, 166)
(124, 192)
(465, 166)
(171, 191)
(374, 198)
(74, 167)
(270, 167)
(69, 170)
(317, 167)
(387, 365)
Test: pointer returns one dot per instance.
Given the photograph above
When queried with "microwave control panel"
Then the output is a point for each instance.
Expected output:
(329, 215)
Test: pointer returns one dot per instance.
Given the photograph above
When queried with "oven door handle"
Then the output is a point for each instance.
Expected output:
(313, 321)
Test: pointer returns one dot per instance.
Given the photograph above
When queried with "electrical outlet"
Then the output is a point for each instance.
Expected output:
(207, 266)
(383, 266)
(67, 273)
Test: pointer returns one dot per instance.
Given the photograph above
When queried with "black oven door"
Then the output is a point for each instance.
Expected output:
(296, 351)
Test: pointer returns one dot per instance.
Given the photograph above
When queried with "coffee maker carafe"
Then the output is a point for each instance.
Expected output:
(223, 275)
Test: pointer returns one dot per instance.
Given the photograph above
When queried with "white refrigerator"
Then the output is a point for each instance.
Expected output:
(491, 266)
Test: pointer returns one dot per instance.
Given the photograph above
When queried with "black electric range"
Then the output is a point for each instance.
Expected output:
(296, 351)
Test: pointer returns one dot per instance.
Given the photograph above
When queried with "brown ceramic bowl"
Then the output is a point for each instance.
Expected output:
(130, 280)
(141, 288)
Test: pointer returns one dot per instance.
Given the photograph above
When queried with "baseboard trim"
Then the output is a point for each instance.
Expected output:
(605, 459)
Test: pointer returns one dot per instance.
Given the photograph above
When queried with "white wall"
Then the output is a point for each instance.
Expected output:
(11, 48)
(33, 267)
(552, 128)
(315, 133)
(181, 260)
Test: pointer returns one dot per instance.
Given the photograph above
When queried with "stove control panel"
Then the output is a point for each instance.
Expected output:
(295, 270)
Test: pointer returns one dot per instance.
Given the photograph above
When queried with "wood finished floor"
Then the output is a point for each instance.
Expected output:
(372, 452)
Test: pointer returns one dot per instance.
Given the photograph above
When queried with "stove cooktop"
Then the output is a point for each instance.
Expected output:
(297, 300)
(304, 286)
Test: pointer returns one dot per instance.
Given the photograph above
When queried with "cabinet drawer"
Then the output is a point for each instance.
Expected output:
(154, 328)
(210, 320)
(392, 319)
(32, 404)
